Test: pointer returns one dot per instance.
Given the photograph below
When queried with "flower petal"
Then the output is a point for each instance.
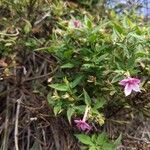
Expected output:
(135, 80)
(136, 88)
(85, 126)
(82, 125)
(124, 82)
(128, 89)
(77, 121)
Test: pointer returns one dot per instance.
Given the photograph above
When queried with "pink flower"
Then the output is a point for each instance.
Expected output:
(130, 84)
(75, 24)
(82, 125)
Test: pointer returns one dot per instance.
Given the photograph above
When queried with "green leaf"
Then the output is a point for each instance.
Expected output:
(49, 99)
(118, 27)
(59, 87)
(67, 66)
(116, 78)
(103, 141)
(115, 35)
(140, 53)
(31, 42)
(131, 63)
(27, 27)
(95, 111)
(87, 98)
(94, 137)
(125, 49)
(99, 103)
(80, 108)
(85, 139)
(102, 138)
(107, 146)
(93, 148)
(138, 37)
(70, 112)
(57, 109)
(8, 44)
(92, 38)
(118, 141)
(76, 82)
(87, 66)
(127, 23)
(88, 22)
(102, 57)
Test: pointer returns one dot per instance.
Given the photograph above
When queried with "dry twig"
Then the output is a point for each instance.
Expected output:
(16, 123)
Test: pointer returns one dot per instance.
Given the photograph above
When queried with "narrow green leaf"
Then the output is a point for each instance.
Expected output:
(27, 27)
(115, 35)
(70, 112)
(118, 28)
(49, 99)
(99, 103)
(88, 22)
(118, 141)
(116, 78)
(138, 37)
(67, 66)
(80, 108)
(87, 98)
(57, 109)
(125, 49)
(76, 82)
(8, 44)
(59, 87)
(102, 57)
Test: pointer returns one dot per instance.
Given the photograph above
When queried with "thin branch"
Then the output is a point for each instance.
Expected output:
(41, 19)
(11, 35)
(16, 123)
(6, 128)
(42, 76)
